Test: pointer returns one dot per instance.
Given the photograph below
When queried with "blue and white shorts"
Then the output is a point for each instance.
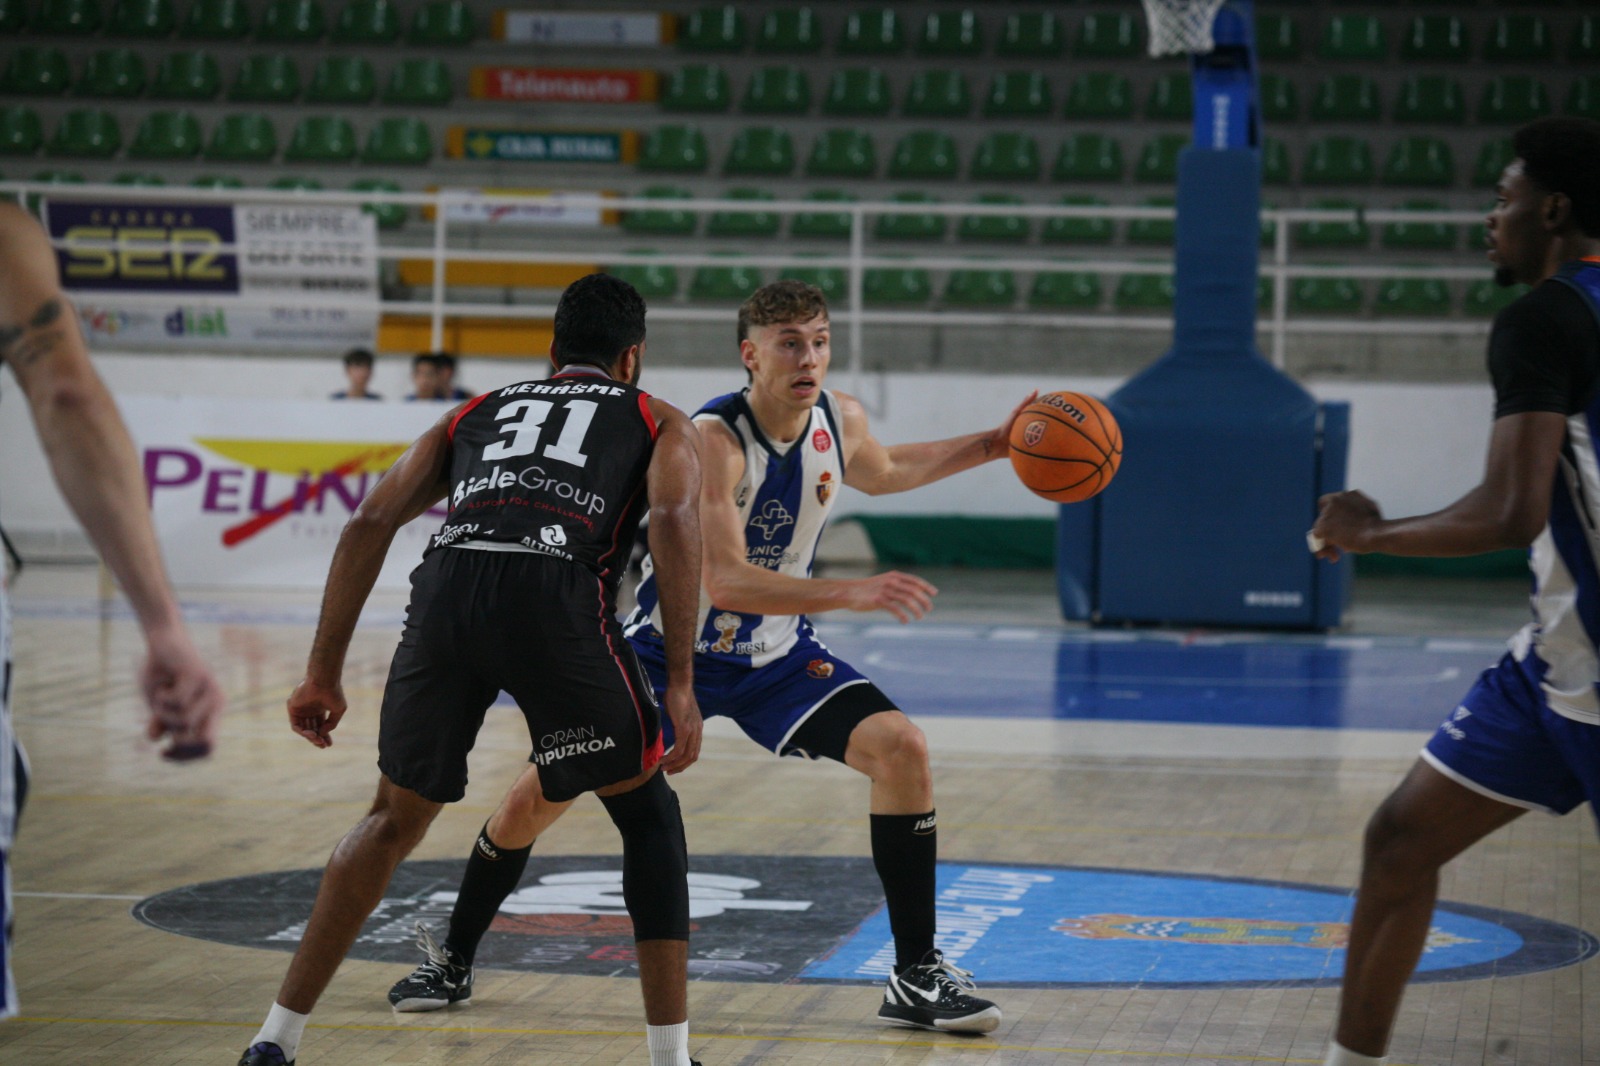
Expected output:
(13, 787)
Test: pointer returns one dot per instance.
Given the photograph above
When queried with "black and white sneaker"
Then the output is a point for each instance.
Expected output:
(437, 983)
(264, 1054)
(933, 995)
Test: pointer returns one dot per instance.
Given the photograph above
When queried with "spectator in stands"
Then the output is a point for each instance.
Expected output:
(426, 378)
(448, 389)
(358, 372)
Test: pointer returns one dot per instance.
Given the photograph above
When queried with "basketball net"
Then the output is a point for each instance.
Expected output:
(1179, 27)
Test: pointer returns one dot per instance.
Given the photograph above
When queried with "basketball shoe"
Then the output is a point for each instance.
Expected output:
(933, 995)
(264, 1054)
(438, 982)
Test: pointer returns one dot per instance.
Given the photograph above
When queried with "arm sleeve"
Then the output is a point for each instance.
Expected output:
(1539, 359)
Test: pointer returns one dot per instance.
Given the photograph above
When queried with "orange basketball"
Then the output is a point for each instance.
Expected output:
(1065, 446)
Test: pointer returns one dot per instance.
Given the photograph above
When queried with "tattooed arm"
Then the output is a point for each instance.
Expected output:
(97, 469)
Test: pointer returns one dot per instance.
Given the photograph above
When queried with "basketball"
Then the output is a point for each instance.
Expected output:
(1065, 446)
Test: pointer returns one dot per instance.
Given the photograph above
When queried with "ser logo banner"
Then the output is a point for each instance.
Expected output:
(195, 267)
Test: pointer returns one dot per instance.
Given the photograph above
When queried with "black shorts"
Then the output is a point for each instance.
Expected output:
(542, 630)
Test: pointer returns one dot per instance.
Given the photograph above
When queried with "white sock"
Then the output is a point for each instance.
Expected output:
(669, 1044)
(282, 1027)
(1343, 1056)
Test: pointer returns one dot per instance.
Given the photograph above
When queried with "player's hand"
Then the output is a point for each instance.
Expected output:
(906, 596)
(1344, 519)
(183, 696)
(315, 709)
(998, 442)
(687, 728)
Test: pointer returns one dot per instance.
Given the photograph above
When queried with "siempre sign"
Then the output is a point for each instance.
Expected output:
(543, 146)
(624, 29)
(553, 85)
(534, 207)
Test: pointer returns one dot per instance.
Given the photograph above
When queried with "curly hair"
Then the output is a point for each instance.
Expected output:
(786, 301)
(597, 319)
(1563, 155)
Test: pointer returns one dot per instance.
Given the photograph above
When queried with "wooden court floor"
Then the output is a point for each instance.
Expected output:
(108, 824)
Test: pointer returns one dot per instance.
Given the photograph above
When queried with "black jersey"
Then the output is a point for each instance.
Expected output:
(554, 467)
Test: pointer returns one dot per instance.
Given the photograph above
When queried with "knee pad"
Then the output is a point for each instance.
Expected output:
(655, 860)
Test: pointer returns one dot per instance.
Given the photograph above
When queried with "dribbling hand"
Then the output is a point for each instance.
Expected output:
(906, 596)
(998, 442)
(315, 710)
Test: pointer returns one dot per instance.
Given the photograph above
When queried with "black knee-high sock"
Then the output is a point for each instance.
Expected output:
(492, 875)
(905, 848)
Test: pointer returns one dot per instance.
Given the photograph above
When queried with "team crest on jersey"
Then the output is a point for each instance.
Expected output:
(727, 624)
(825, 487)
(554, 536)
(821, 669)
(773, 517)
(1033, 433)
(821, 441)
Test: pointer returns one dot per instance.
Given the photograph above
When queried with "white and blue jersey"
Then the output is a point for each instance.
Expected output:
(13, 788)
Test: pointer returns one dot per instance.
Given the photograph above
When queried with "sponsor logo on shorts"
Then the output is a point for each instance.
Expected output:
(554, 536)
(450, 534)
(821, 441)
(565, 743)
(1449, 727)
(727, 624)
(1033, 433)
(824, 488)
(821, 669)
(773, 517)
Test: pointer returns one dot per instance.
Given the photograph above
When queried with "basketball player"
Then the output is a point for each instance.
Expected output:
(1527, 735)
(95, 466)
(546, 482)
(775, 455)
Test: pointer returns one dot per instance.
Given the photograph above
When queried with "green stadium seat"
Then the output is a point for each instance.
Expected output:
(1486, 298)
(1171, 97)
(67, 18)
(1277, 37)
(743, 223)
(724, 284)
(1354, 38)
(938, 94)
(143, 18)
(13, 17)
(1144, 292)
(790, 31)
(1104, 35)
(1064, 290)
(1436, 39)
(1433, 236)
(419, 82)
(980, 287)
(35, 71)
(896, 285)
(388, 214)
(1280, 100)
(292, 21)
(1006, 156)
(994, 227)
(217, 181)
(1519, 38)
(1493, 158)
(1512, 99)
(1325, 296)
(167, 135)
(1274, 162)
(1338, 161)
(654, 281)
(675, 148)
(1420, 161)
(443, 23)
(1031, 33)
(1269, 227)
(1154, 230)
(1099, 94)
(295, 183)
(342, 79)
(858, 91)
(924, 154)
(87, 133)
(1264, 291)
(1078, 230)
(373, 22)
(842, 153)
(713, 29)
(924, 227)
(1158, 159)
(1089, 157)
(216, 20)
(1583, 99)
(1351, 234)
(112, 72)
(1413, 296)
(1584, 46)
(1346, 98)
(1434, 99)
(697, 87)
(398, 141)
(661, 220)
(833, 281)
(777, 91)
(265, 77)
(1019, 94)
(874, 32)
(21, 133)
(139, 179)
(760, 150)
(829, 224)
(242, 138)
(951, 33)
(52, 176)
(321, 139)
(187, 76)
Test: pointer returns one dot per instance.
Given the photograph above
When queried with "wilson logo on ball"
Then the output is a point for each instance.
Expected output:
(1065, 446)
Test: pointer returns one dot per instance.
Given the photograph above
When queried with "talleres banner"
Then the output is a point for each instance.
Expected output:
(299, 276)
(247, 492)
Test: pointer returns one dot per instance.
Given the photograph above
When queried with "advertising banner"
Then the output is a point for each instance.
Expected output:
(620, 29)
(542, 146)
(542, 207)
(564, 86)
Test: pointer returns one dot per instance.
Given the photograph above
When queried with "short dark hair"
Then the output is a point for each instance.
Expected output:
(1563, 155)
(783, 302)
(358, 357)
(443, 360)
(597, 319)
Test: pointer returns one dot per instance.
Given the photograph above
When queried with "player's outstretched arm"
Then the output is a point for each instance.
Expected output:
(1507, 509)
(878, 470)
(96, 466)
(675, 549)
(416, 482)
